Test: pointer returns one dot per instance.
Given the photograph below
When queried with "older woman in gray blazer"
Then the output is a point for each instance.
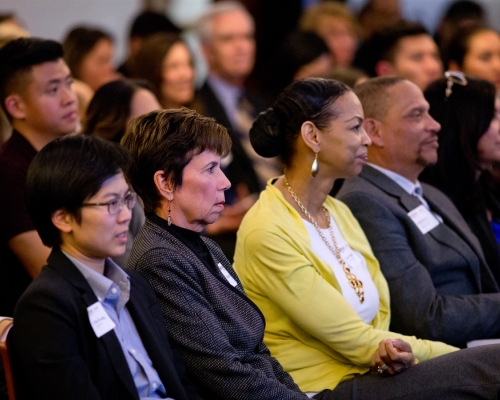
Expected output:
(216, 328)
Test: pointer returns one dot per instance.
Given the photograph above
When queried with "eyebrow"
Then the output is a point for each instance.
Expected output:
(417, 108)
(57, 80)
(113, 194)
(211, 164)
(356, 117)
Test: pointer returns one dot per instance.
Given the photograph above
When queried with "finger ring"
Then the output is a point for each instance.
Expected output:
(381, 369)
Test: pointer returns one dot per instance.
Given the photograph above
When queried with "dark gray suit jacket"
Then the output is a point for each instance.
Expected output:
(441, 287)
(56, 354)
(217, 329)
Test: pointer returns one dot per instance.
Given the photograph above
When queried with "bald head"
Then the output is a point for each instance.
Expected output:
(404, 135)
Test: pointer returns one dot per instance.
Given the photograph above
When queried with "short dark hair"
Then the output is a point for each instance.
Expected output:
(167, 140)
(373, 97)
(16, 60)
(298, 49)
(148, 23)
(109, 110)
(383, 45)
(275, 131)
(463, 9)
(65, 173)
(464, 117)
(78, 43)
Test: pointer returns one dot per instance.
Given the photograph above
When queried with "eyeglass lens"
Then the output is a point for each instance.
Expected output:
(116, 206)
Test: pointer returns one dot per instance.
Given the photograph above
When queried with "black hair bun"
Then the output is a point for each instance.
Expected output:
(265, 134)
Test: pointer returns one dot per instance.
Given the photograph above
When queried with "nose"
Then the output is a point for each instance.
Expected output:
(125, 215)
(365, 139)
(433, 125)
(224, 183)
(69, 95)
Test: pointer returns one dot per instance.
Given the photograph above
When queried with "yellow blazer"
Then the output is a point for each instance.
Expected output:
(310, 327)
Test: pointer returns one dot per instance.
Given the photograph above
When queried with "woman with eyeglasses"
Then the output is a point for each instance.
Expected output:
(469, 145)
(112, 107)
(304, 260)
(85, 328)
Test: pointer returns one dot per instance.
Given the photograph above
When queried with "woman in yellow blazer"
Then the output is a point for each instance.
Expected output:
(305, 261)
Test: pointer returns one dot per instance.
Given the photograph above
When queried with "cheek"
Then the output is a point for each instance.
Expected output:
(474, 65)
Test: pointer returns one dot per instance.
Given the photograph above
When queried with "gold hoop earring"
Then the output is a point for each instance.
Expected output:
(314, 168)
(169, 219)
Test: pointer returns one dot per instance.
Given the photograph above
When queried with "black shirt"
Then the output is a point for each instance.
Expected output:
(189, 238)
(15, 157)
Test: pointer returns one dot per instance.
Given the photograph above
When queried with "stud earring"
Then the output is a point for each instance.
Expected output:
(314, 168)
(169, 219)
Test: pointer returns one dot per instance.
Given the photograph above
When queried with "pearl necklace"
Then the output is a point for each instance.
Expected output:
(354, 282)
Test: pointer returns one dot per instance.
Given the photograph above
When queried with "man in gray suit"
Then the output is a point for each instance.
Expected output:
(441, 287)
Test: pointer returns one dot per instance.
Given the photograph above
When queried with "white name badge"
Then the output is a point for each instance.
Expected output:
(99, 319)
(227, 275)
(423, 218)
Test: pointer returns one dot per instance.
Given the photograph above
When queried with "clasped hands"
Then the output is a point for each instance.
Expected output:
(392, 356)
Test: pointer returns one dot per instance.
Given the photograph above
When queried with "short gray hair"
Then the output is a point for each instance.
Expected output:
(372, 94)
(204, 24)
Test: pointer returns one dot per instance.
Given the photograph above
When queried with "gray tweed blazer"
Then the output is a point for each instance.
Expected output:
(217, 330)
(441, 288)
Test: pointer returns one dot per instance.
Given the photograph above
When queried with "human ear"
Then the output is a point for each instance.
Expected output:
(62, 220)
(310, 136)
(164, 185)
(384, 68)
(15, 106)
(373, 129)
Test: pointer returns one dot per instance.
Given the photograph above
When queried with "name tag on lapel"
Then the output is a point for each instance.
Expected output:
(423, 218)
(227, 275)
(99, 319)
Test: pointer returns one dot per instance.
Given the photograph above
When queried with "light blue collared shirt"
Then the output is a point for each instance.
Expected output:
(414, 189)
(228, 95)
(113, 291)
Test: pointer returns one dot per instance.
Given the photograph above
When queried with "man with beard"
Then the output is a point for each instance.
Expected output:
(441, 287)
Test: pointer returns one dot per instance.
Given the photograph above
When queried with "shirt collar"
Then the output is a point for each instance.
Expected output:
(102, 284)
(407, 185)
(226, 93)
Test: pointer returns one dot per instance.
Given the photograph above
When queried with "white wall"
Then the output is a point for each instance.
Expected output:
(429, 12)
(53, 18)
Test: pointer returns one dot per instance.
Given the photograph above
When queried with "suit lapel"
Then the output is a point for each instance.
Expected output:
(484, 277)
(441, 233)
(67, 269)
(213, 106)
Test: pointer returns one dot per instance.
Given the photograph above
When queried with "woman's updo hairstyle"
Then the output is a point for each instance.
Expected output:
(275, 130)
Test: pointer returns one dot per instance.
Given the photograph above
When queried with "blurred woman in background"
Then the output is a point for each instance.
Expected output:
(334, 23)
(165, 62)
(475, 51)
(89, 54)
(116, 103)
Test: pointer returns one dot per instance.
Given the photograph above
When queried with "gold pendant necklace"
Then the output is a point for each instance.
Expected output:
(354, 282)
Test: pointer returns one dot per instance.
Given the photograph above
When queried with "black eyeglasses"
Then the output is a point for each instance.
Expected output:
(454, 77)
(116, 206)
